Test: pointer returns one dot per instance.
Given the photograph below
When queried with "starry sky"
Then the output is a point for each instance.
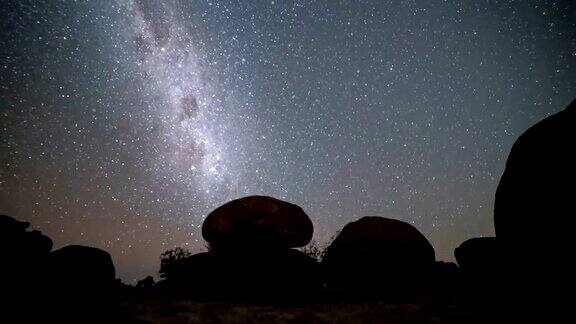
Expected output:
(123, 123)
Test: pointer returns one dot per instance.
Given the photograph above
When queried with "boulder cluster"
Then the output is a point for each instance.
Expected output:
(254, 238)
(55, 285)
(28, 260)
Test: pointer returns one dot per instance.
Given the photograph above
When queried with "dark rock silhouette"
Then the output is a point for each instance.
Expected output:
(445, 278)
(534, 217)
(479, 257)
(250, 253)
(378, 254)
(446, 268)
(17, 242)
(284, 274)
(60, 286)
(23, 254)
(81, 283)
(257, 222)
(83, 270)
(482, 267)
(534, 208)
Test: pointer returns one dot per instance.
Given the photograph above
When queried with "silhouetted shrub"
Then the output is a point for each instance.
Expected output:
(146, 283)
(170, 262)
(314, 250)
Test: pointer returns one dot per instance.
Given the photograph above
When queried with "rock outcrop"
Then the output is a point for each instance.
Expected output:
(23, 254)
(257, 222)
(85, 270)
(534, 212)
(377, 253)
(479, 256)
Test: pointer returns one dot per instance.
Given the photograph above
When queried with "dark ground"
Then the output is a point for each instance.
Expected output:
(154, 310)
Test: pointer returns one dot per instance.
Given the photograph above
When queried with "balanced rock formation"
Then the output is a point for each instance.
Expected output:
(250, 253)
(378, 253)
(534, 208)
(257, 221)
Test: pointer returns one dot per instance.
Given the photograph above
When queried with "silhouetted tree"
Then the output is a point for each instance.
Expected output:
(316, 250)
(170, 260)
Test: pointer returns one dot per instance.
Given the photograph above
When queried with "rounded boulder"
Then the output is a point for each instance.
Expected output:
(534, 209)
(257, 221)
(82, 269)
(375, 252)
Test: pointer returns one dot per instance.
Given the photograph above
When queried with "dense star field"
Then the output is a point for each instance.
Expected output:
(123, 123)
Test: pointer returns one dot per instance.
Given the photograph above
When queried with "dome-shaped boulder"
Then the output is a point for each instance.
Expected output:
(257, 222)
(377, 252)
(82, 269)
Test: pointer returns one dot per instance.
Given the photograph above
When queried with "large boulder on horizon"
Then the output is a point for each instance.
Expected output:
(257, 222)
(534, 212)
(85, 270)
(378, 253)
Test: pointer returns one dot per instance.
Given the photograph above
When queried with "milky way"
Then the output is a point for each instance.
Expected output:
(182, 93)
(123, 123)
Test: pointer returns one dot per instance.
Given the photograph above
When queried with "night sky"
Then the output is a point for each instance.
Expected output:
(123, 123)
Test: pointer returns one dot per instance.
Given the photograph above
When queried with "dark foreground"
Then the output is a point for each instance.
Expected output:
(423, 310)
